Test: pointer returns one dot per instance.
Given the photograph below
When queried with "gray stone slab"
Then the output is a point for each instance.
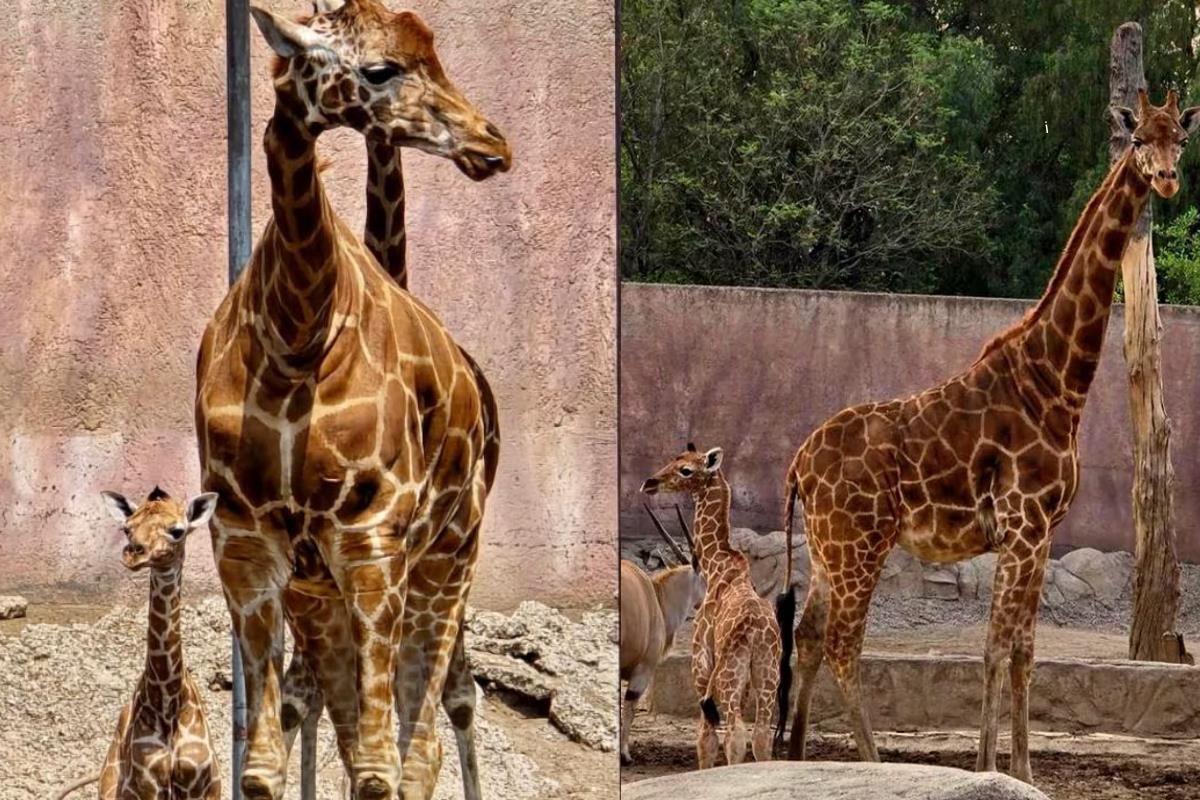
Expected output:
(826, 780)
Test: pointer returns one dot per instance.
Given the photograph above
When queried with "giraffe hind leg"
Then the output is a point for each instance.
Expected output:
(436, 604)
(458, 700)
(764, 683)
(729, 680)
(850, 596)
(810, 651)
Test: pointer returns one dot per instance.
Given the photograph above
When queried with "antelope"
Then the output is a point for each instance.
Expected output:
(652, 609)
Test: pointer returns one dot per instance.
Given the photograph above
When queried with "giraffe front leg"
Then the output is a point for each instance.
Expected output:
(1016, 592)
(370, 567)
(253, 571)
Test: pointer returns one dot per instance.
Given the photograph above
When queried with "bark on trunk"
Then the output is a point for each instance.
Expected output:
(1152, 635)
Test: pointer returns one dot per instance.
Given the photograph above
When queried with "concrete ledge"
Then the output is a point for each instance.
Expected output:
(824, 780)
(923, 693)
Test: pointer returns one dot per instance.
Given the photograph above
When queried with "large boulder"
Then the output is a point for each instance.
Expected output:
(824, 780)
(1108, 575)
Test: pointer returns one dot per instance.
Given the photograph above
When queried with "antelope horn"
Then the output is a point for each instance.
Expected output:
(687, 534)
(683, 559)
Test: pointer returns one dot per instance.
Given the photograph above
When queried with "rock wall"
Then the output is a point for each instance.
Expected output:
(112, 229)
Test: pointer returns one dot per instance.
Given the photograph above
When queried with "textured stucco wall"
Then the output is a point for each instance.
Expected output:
(112, 239)
(755, 371)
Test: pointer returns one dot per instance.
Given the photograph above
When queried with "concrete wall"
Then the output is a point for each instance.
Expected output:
(112, 240)
(754, 371)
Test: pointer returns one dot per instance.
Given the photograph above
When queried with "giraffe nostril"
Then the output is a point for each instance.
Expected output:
(494, 131)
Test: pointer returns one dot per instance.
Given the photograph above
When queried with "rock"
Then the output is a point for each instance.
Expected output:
(975, 577)
(902, 575)
(1070, 587)
(13, 606)
(941, 583)
(544, 656)
(815, 780)
(511, 674)
(1108, 574)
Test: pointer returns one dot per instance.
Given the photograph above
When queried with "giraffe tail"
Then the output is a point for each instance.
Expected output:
(785, 614)
(79, 784)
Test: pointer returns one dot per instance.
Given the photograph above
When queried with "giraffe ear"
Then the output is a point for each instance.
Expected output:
(285, 37)
(1190, 119)
(200, 509)
(1124, 118)
(712, 459)
(327, 6)
(117, 506)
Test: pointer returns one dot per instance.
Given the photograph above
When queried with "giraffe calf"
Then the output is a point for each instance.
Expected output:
(161, 747)
(736, 644)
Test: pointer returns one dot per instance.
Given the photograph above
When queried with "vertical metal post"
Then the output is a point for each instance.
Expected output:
(237, 121)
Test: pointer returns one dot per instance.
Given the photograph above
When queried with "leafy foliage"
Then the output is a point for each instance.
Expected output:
(879, 145)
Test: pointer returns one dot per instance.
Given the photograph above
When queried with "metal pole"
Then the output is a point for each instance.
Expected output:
(237, 122)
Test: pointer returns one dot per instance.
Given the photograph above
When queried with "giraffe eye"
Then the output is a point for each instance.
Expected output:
(685, 471)
(176, 532)
(1137, 143)
(379, 74)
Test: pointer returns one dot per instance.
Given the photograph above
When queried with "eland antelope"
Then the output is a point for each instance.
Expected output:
(652, 609)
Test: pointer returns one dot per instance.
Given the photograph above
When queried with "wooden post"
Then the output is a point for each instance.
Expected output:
(1152, 635)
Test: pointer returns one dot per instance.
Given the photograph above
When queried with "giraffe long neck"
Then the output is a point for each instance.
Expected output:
(711, 531)
(162, 679)
(385, 234)
(1059, 343)
(297, 277)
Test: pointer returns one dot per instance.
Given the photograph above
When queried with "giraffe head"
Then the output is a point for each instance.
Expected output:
(157, 528)
(688, 472)
(354, 63)
(1157, 135)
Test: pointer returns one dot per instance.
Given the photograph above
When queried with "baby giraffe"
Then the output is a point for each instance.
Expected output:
(161, 747)
(735, 641)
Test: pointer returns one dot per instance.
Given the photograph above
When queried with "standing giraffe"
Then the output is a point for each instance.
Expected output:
(345, 432)
(735, 640)
(987, 461)
(161, 746)
(385, 237)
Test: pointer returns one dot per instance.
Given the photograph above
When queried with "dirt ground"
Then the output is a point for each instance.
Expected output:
(1064, 767)
(66, 670)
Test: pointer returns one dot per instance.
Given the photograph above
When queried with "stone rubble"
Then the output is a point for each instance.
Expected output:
(539, 653)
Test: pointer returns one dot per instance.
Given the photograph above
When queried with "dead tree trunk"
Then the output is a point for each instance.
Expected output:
(1152, 634)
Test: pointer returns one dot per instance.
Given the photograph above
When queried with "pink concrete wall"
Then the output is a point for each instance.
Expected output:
(112, 235)
(755, 371)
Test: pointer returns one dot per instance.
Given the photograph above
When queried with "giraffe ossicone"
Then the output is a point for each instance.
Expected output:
(351, 440)
(987, 461)
(735, 639)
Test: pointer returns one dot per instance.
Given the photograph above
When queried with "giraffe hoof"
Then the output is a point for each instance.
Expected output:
(257, 787)
(373, 787)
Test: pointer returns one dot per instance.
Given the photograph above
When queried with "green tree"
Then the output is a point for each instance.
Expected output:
(813, 143)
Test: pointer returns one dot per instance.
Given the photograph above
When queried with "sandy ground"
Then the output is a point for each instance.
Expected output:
(66, 671)
(1064, 767)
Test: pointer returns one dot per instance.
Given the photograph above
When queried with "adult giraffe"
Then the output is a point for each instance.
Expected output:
(987, 461)
(384, 235)
(344, 430)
